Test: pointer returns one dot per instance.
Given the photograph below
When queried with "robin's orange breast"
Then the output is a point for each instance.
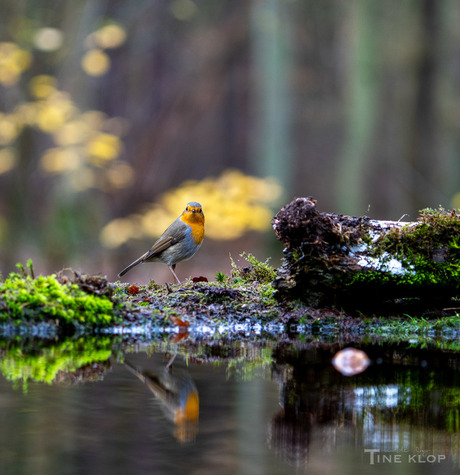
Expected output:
(196, 223)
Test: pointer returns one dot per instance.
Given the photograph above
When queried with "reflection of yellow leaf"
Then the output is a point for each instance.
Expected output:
(95, 62)
(7, 160)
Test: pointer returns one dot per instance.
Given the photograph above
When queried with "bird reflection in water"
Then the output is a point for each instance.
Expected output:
(178, 396)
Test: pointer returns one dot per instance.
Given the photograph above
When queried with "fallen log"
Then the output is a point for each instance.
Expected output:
(332, 259)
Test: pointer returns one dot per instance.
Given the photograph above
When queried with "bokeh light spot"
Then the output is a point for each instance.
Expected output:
(58, 160)
(48, 39)
(110, 36)
(7, 160)
(103, 147)
(183, 10)
(82, 179)
(71, 133)
(42, 86)
(54, 111)
(95, 62)
(120, 175)
(118, 231)
(13, 62)
(8, 129)
(456, 201)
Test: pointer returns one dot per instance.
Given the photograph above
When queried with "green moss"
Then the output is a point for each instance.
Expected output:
(423, 273)
(435, 230)
(429, 251)
(153, 285)
(24, 298)
(266, 294)
(256, 271)
(220, 277)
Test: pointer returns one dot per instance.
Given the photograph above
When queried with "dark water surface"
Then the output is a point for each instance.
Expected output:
(236, 407)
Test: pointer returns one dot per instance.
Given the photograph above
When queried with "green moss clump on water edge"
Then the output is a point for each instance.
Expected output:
(26, 299)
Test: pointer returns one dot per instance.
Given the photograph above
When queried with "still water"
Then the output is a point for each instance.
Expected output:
(108, 406)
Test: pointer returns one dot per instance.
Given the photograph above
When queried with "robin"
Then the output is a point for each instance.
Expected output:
(179, 242)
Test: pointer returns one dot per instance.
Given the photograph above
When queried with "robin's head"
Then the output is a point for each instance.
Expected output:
(193, 208)
(193, 213)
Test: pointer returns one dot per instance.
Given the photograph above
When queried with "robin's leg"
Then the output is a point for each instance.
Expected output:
(174, 274)
(170, 362)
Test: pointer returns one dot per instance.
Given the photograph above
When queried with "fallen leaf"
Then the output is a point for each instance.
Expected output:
(133, 290)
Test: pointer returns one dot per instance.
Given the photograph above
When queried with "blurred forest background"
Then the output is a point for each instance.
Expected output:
(115, 114)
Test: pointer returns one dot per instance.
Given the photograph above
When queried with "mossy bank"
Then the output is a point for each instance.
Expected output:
(245, 301)
(68, 300)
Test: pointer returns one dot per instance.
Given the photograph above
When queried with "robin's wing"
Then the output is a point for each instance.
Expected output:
(171, 236)
(174, 234)
(163, 243)
(151, 381)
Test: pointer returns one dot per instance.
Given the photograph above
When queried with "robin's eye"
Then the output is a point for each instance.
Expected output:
(186, 209)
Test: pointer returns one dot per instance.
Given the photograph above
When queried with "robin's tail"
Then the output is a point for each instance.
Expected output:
(133, 264)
